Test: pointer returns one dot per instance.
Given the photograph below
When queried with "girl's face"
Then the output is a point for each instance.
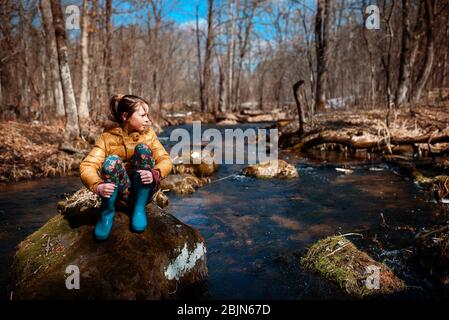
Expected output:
(139, 120)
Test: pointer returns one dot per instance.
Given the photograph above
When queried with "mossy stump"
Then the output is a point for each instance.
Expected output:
(165, 261)
(338, 260)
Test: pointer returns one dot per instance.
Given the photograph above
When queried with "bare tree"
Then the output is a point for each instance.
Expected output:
(205, 78)
(386, 62)
(404, 63)
(72, 126)
(230, 54)
(83, 111)
(321, 44)
(244, 32)
(108, 49)
(429, 14)
(52, 54)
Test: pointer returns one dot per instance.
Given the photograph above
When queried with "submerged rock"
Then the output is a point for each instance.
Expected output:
(337, 259)
(165, 261)
(271, 169)
(183, 183)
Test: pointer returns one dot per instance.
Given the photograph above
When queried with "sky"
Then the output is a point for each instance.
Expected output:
(179, 11)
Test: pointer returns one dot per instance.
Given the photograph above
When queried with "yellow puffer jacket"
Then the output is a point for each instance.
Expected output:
(115, 141)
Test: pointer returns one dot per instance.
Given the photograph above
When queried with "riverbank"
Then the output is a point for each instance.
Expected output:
(35, 150)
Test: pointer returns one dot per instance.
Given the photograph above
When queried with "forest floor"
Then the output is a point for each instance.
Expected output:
(35, 150)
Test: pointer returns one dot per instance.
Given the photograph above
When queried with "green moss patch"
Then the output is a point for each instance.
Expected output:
(338, 260)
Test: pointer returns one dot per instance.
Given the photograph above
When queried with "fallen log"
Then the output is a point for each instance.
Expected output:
(354, 141)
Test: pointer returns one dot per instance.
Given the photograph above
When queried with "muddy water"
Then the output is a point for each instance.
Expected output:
(257, 230)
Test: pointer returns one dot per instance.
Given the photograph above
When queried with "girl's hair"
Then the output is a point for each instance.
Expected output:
(119, 104)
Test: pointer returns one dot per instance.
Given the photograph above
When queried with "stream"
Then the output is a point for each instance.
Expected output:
(257, 230)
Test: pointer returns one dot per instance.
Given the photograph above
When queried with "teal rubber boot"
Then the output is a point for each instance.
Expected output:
(107, 213)
(141, 193)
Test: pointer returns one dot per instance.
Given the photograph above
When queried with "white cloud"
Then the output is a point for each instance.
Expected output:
(190, 25)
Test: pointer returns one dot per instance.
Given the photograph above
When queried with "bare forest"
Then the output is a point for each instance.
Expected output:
(356, 91)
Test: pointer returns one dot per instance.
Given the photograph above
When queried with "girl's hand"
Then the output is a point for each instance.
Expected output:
(146, 176)
(106, 189)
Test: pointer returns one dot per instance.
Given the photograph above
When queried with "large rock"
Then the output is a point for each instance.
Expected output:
(338, 260)
(271, 169)
(165, 261)
(183, 183)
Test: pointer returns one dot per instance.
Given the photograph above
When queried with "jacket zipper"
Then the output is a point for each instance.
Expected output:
(126, 150)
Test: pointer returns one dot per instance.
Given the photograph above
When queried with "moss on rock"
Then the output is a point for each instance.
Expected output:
(337, 259)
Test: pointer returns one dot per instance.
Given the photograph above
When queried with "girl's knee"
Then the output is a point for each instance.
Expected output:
(142, 148)
(110, 163)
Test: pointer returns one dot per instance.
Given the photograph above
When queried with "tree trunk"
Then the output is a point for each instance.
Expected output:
(52, 54)
(108, 49)
(221, 85)
(72, 126)
(200, 69)
(386, 63)
(95, 77)
(429, 12)
(230, 56)
(243, 49)
(84, 46)
(321, 43)
(206, 101)
(404, 61)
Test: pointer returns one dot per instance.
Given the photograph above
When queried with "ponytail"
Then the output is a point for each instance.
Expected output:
(119, 104)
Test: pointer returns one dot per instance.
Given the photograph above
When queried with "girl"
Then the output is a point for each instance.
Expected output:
(127, 162)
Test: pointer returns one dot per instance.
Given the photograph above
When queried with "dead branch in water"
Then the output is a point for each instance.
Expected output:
(299, 107)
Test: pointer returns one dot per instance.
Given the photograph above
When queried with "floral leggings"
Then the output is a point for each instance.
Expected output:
(113, 171)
